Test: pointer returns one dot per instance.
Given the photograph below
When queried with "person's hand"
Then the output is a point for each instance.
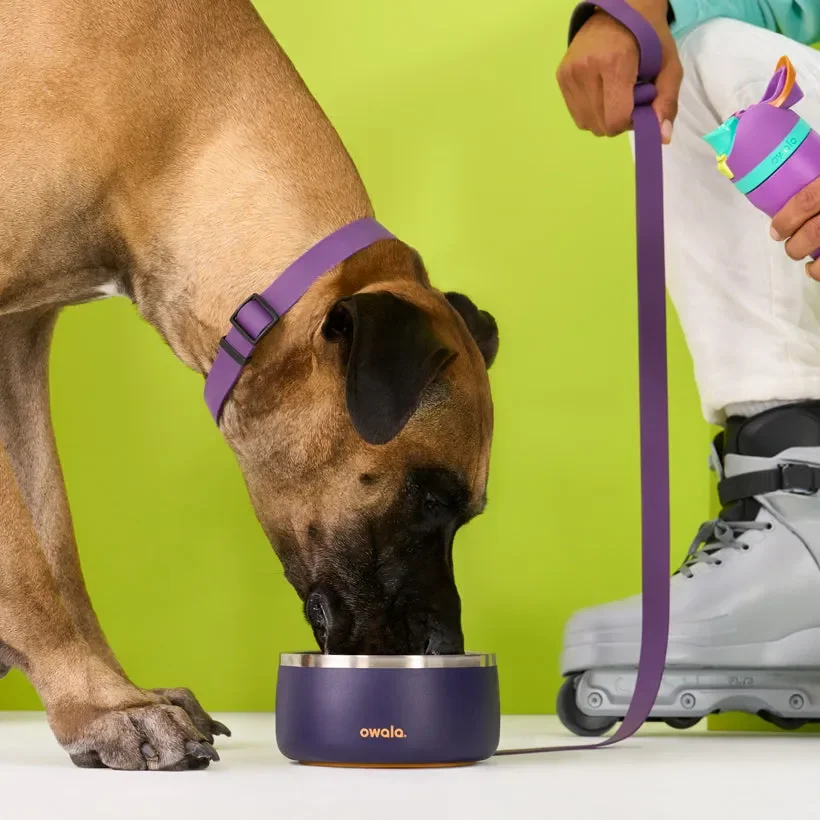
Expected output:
(598, 73)
(798, 222)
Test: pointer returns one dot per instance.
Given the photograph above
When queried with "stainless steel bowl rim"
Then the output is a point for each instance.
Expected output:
(317, 660)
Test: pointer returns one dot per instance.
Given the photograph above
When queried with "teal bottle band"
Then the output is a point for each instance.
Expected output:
(795, 138)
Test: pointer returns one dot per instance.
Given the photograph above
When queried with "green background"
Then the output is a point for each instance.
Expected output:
(452, 113)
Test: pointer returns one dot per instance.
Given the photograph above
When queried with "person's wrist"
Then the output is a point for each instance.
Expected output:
(656, 11)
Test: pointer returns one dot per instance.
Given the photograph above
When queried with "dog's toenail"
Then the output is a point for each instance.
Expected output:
(148, 751)
(202, 751)
(220, 728)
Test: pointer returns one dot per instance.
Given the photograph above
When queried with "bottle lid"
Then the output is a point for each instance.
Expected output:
(781, 93)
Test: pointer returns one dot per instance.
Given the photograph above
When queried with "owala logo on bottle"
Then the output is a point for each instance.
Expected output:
(393, 733)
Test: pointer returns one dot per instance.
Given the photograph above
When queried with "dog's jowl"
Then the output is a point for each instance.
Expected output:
(169, 152)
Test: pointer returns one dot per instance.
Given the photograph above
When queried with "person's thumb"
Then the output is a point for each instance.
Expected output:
(666, 103)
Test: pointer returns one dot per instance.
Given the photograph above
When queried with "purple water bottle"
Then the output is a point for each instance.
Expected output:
(767, 150)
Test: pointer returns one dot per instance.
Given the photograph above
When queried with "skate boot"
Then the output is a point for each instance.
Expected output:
(745, 604)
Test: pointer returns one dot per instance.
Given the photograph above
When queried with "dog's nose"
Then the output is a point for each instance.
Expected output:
(316, 612)
(328, 616)
(339, 629)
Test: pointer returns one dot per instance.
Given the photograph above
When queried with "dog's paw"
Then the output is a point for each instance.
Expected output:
(157, 736)
(185, 699)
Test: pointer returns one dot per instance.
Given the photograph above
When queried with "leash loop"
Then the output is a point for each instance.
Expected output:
(645, 94)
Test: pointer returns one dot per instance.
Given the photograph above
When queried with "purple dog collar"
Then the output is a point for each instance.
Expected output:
(258, 314)
(653, 389)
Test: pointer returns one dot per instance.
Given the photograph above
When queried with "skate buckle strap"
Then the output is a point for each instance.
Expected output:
(800, 479)
(653, 385)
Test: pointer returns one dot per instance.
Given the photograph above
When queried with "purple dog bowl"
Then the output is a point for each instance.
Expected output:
(387, 710)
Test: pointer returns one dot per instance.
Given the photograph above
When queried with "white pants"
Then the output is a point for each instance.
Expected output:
(751, 315)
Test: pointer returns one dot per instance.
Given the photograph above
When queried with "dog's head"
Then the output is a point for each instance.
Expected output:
(363, 431)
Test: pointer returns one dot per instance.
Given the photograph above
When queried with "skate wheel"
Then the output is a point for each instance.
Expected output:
(789, 724)
(682, 722)
(574, 719)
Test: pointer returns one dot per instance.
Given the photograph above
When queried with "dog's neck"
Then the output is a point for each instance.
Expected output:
(225, 227)
(245, 176)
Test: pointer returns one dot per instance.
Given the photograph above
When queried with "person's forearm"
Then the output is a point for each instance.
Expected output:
(796, 19)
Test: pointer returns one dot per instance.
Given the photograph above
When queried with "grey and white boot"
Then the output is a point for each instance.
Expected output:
(745, 604)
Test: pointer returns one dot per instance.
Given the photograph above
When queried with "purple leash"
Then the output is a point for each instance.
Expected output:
(654, 400)
(260, 313)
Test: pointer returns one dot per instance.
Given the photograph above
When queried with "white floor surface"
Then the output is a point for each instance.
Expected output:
(660, 775)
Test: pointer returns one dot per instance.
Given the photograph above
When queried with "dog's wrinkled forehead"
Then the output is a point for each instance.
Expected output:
(434, 396)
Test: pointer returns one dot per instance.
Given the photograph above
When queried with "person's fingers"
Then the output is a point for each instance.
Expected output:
(581, 87)
(595, 100)
(575, 96)
(813, 270)
(805, 241)
(797, 212)
(666, 103)
(618, 92)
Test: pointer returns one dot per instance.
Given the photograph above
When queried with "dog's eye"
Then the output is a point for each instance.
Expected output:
(433, 497)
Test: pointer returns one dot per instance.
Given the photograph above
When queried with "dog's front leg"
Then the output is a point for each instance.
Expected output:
(26, 430)
(97, 715)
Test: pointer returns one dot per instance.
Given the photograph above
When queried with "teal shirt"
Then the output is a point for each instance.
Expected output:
(796, 19)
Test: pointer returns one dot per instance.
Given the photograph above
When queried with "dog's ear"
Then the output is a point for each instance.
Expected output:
(390, 354)
(481, 325)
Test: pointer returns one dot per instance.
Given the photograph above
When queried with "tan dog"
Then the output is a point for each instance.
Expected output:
(169, 152)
